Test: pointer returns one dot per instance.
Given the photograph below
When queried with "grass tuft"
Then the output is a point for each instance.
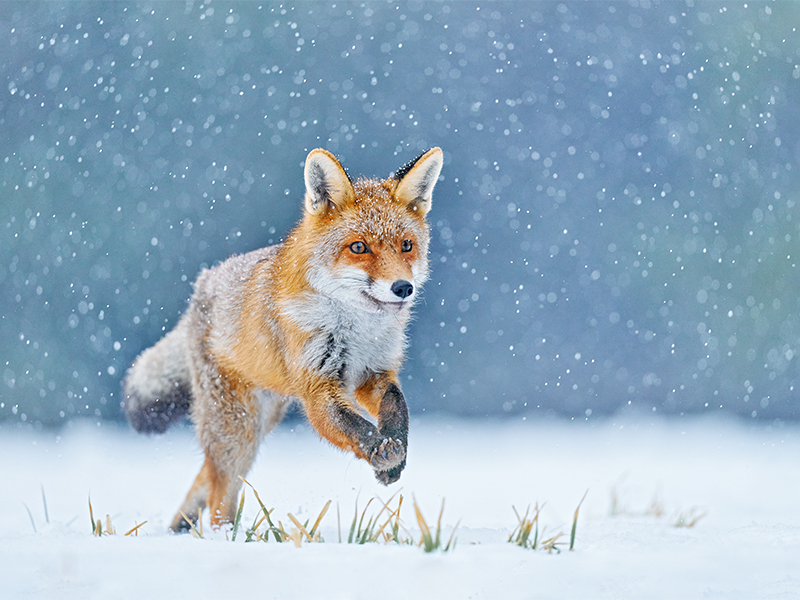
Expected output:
(521, 535)
(310, 535)
(360, 534)
(373, 532)
(383, 524)
(279, 532)
(689, 518)
(252, 534)
(97, 524)
(430, 540)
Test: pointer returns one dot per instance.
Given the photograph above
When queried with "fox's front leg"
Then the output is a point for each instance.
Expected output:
(381, 396)
(336, 420)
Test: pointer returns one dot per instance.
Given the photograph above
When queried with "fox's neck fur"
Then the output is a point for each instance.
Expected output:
(339, 338)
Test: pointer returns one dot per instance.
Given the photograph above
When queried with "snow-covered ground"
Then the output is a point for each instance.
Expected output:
(745, 479)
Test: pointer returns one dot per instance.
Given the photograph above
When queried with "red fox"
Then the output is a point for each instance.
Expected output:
(319, 319)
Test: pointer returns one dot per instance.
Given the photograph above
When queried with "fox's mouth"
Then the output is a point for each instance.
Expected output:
(388, 306)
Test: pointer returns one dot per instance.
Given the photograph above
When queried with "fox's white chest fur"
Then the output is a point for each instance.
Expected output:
(346, 342)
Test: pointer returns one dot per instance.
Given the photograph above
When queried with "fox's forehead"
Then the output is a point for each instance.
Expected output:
(376, 214)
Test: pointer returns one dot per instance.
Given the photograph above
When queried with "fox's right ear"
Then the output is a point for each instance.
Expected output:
(327, 184)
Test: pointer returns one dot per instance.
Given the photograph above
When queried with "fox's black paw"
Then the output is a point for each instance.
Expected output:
(391, 475)
(180, 525)
(388, 457)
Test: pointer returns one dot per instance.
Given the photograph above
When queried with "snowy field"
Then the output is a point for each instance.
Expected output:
(744, 479)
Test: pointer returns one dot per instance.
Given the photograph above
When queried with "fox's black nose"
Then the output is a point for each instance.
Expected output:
(402, 288)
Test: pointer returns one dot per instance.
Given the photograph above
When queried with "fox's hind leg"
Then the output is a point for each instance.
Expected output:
(195, 500)
(230, 422)
(214, 488)
(230, 450)
(228, 427)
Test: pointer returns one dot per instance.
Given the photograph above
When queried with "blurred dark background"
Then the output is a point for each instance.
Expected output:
(616, 227)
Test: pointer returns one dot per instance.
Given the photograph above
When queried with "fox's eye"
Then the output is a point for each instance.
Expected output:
(359, 248)
(406, 246)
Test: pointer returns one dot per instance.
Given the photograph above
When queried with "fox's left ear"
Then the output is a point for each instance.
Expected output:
(417, 178)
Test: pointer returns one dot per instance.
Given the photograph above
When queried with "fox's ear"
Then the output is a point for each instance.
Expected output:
(327, 183)
(417, 178)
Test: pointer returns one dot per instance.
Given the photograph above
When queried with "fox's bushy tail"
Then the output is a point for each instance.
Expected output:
(157, 389)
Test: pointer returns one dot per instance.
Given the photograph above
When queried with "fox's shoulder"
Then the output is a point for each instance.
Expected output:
(238, 268)
(220, 294)
(221, 289)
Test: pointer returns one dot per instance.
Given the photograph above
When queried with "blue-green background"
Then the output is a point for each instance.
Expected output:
(616, 227)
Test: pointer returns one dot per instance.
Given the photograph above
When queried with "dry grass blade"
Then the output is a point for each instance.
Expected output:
(91, 517)
(109, 527)
(425, 531)
(551, 544)
(451, 542)
(322, 514)
(575, 523)
(195, 532)
(44, 503)
(300, 528)
(135, 530)
(338, 522)
(97, 526)
(30, 516)
(238, 519)
(295, 536)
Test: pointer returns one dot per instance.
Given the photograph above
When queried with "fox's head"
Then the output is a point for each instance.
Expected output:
(368, 240)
